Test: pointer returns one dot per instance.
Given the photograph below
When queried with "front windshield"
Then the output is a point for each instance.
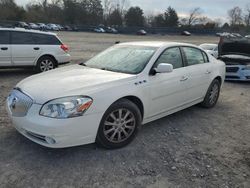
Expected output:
(125, 59)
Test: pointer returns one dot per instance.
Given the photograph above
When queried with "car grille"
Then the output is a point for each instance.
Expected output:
(232, 77)
(232, 69)
(19, 103)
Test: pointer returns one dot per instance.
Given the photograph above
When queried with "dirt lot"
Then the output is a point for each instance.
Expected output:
(192, 148)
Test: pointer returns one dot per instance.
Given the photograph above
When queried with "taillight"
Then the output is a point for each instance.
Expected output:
(64, 47)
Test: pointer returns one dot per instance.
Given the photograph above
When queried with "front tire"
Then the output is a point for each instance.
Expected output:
(119, 125)
(45, 64)
(212, 95)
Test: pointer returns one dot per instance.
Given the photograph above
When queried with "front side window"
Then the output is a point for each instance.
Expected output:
(194, 56)
(125, 59)
(171, 56)
(4, 37)
(21, 38)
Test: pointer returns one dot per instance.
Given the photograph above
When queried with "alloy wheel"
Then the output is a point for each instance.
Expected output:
(119, 125)
(214, 94)
(46, 65)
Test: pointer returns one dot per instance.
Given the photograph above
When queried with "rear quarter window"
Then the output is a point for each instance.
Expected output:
(44, 39)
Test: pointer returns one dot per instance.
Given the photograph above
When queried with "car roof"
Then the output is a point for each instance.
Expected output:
(26, 30)
(158, 44)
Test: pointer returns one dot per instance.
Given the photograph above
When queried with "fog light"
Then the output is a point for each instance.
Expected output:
(50, 140)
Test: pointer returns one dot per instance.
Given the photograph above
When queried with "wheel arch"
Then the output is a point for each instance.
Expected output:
(219, 79)
(47, 55)
(136, 100)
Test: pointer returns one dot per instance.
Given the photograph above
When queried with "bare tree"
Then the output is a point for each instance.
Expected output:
(235, 16)
(194, 16)
(247, 16)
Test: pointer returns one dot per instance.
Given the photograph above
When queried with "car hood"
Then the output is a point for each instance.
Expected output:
(69, 81)
(234, 46)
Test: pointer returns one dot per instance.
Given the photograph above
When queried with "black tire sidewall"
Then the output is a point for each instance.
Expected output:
(206, 103)
(126, 104)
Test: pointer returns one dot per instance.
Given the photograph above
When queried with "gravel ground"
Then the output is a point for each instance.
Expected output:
(193, 148)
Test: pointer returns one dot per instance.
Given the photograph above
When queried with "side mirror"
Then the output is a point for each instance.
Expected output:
(164, 68)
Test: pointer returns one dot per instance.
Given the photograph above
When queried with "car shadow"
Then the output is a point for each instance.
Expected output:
(238, 82)
(17, 72)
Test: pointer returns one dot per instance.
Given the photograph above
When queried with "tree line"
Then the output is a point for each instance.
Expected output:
(114, 13)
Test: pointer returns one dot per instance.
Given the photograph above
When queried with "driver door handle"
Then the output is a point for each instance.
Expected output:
(4, 48)
(183, 79)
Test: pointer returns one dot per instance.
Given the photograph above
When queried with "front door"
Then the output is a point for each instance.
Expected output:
(168, 90)
(5, 48)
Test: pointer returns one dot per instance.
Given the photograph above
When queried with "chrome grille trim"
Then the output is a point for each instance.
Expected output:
(19, 103)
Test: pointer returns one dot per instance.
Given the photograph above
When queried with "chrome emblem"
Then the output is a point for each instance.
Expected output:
(13, 103)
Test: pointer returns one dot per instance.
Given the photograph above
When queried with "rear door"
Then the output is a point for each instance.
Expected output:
(25, 51)
(200, 70)
(5, 48)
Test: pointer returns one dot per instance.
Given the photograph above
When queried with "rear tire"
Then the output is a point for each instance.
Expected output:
(212, 95)
(45, 63)
(119, 125)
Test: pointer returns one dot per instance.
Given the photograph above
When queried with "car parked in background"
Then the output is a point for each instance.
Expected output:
(107, 98)
(141, 32)
(41, 26)
(34, 26)
(111, 30)
(210, 48)
(67, 28)
(99, 30)
(52, 27)
(42, 50)
(22, 25)
(247, 36)
(185, 33)
(235, 52)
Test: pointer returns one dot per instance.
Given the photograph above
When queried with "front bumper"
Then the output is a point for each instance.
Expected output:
(63, 132)
(237, 72)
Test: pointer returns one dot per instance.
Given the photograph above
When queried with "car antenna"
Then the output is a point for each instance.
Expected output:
(117, 42)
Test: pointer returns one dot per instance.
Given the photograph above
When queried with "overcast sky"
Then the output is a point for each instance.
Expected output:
(211, 8)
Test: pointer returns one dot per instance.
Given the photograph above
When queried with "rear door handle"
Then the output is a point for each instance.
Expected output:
(36, 48)
(183, 79)
(4, 48)
(208, 72)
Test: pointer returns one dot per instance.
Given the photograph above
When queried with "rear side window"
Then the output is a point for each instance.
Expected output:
(44, 39)
(194, 56)
(21, 38)
(4, 37)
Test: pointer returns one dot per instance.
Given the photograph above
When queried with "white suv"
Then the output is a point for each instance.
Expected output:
(20, 47)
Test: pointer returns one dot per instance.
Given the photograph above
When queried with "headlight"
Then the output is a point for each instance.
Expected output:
(67, 107)
(246, 67)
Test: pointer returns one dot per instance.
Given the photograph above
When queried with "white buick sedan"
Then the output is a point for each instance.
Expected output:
(108, 98)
